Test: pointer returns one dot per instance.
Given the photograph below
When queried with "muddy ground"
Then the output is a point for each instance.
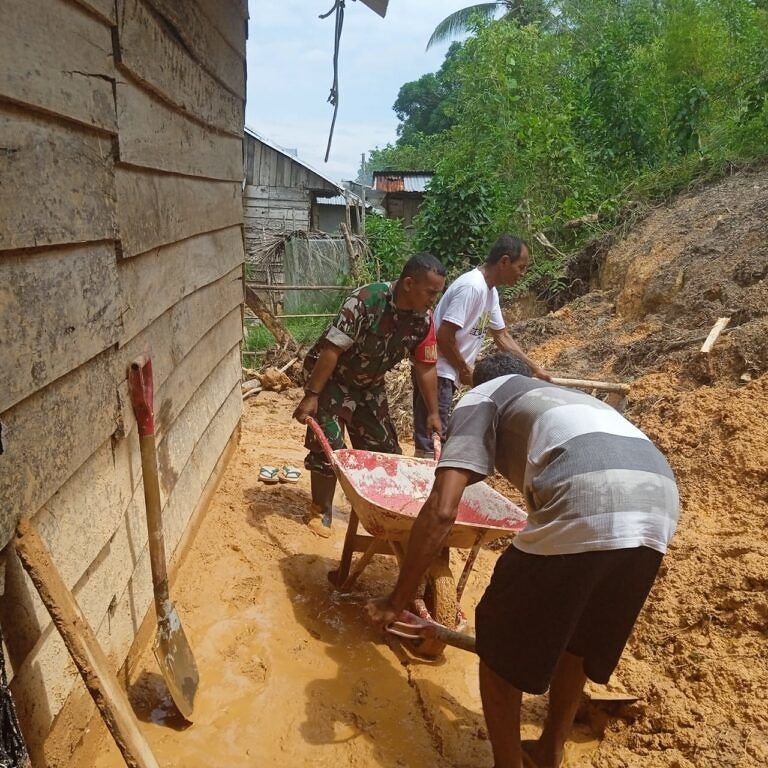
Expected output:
(292, 675)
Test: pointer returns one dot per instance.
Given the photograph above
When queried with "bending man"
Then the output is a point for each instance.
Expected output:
(377, 326)
(603, 505)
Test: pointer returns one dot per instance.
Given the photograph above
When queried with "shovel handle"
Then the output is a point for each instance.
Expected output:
(141, 388)
(320, 435)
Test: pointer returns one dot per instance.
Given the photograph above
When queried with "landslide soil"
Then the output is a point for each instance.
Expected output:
(292, 675)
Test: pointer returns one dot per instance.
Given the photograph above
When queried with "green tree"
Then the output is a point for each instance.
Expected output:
(462, 21)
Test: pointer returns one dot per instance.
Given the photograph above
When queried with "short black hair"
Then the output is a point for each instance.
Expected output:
(499, 364)
(420, 263)
(506, 245)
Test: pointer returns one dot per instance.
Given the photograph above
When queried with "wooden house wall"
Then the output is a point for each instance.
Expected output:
(121, 213)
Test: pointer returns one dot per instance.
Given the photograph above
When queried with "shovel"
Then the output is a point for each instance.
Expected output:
(171, 648)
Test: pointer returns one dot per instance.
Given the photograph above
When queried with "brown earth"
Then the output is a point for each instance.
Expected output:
(292, 675)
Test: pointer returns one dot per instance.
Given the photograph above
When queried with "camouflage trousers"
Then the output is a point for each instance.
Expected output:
(364, 412)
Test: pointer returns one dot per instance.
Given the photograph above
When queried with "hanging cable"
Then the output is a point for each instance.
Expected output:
(333, 98)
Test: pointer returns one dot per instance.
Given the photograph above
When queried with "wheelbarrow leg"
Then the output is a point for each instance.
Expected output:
(360, 565)
(338, 577)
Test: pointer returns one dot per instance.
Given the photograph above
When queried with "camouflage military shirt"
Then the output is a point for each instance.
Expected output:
(373, 334)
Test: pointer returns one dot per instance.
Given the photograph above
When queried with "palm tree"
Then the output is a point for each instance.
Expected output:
(522, 11)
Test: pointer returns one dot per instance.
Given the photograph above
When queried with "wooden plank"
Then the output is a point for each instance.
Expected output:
(102, 8)
(92, 509)
(206, 44)
(49, 435)
(72, 78)
(717, 329)
(228, 19)
(171, 337)
(57, 309)
(156, 135)
(258, 193)
(96, 671)
(149, 52)
(181, 268)
(249, 149)
(156, 209)
(266, 170)
(258, 150)
(75, 204)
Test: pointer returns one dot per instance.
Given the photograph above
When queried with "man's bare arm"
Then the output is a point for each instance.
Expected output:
(446, 343)
(506, 343)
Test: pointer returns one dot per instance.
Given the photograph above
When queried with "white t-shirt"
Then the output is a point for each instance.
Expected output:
(474, 307)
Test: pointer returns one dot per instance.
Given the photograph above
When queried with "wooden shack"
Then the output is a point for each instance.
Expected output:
(403, 192)
(121, 127)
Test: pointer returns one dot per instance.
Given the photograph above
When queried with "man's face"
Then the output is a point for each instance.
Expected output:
(513, 271)
(423, 291)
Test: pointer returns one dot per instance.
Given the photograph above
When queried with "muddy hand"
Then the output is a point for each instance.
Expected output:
(412, 627)
(380, 613)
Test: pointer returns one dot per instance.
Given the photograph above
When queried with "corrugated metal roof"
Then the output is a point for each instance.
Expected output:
(401, 181)
(337, 200)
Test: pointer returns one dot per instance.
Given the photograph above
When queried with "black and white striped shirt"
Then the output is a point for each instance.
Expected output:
(591, 479)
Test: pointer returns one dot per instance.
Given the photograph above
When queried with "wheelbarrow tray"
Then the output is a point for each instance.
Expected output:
(387, 492)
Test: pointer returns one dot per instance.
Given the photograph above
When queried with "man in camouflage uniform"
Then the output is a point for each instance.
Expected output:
(377, 326)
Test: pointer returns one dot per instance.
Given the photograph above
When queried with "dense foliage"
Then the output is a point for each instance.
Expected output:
(388, 246)
(601, 103)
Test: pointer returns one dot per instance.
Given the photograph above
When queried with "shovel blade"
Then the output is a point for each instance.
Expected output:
(176, 661)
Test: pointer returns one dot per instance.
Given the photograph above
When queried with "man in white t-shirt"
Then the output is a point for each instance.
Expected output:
(468, 309)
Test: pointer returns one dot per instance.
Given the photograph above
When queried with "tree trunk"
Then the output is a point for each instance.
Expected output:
(271, 323)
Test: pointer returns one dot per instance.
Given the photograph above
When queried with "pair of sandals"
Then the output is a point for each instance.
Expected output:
(286, 474)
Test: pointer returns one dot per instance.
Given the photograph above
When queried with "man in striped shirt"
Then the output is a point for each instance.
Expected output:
(602, 506)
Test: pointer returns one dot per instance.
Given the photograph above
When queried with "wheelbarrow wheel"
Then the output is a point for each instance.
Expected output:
(440, 600)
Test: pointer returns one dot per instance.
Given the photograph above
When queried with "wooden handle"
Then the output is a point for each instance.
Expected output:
(322, 439)
(83, 647)
(606, 386)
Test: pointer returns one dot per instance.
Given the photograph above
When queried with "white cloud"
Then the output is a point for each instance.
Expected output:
(290, 73)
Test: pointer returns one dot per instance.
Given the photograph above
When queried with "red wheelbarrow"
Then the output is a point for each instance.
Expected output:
(386, 493)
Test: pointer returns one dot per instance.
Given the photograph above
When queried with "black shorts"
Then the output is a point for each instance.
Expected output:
(536, 607)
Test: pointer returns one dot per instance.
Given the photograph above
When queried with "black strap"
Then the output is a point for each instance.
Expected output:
(333, 98)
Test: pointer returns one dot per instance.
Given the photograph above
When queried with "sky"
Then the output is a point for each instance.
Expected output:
(290, 72)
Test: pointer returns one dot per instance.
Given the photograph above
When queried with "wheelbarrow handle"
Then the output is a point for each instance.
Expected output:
(320, 435)
(141, 389)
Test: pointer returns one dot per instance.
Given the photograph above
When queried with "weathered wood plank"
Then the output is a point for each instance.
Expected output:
(155, 209)
(263, 192)
(75, 204)
(71, 78)
(257, 153)
(103, 8)
(181, 268)
(228, 19)
(57, 309)
(204, 41)
(156, 135)
(249, 149)
(93, 507)
(150, 54)
(171, 337)
(267, 168)
(49, 435)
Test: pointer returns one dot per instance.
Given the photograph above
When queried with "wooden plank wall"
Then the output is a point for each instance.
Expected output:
(278, 193)
(121, 170)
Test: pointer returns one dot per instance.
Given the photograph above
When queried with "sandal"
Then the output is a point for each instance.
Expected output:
(290, 475)
(269, 475)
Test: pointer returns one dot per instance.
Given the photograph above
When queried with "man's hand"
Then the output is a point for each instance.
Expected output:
(465, 375)
(434, 424)
(307, 407)
(381, 613)
(540, 373)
